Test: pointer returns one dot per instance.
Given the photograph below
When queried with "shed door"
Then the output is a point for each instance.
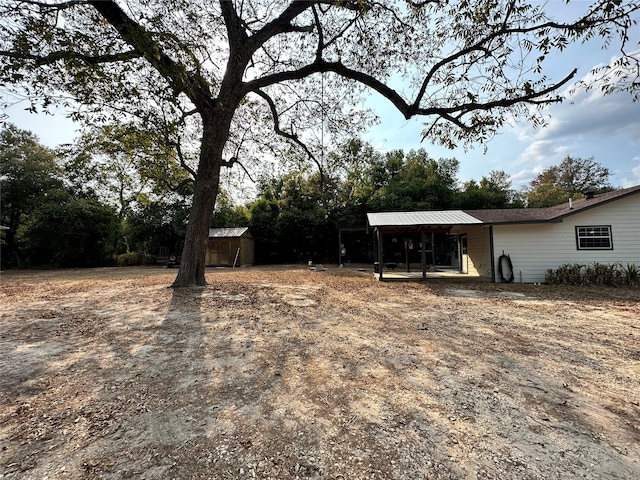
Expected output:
(225, 253)
(212, 252)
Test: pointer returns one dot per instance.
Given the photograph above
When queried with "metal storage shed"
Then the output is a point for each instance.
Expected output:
(230, 247)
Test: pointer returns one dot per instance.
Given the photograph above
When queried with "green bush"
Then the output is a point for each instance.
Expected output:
(631, 274)
(567, 274)
(603, 274)
(596, 274)
(134, 258)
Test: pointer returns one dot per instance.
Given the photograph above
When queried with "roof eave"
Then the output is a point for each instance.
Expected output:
(525, 222)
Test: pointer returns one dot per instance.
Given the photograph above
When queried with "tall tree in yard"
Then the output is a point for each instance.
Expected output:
(28, 173)
(493, 191)
(572, 178)
(228, 66)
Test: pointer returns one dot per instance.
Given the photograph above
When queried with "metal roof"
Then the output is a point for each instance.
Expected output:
(227, 232)
(398, 219)
(496, 216)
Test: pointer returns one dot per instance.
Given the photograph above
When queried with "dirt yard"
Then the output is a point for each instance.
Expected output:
(287, 373)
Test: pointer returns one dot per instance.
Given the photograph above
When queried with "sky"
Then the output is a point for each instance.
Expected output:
(586, 125)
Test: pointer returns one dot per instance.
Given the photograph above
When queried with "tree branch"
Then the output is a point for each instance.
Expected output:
(233, 161)
(532, 97)
(279, 25)
(465, 51)
(183, 162)
(284, 24)
(408, 110)
(421, 4)
(235, 29)
(191, 84)
(294, 138)
(321, 45)
(68, 55)
(55, 6)
(320, 66)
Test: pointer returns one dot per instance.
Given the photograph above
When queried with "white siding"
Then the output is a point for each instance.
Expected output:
(535, 248)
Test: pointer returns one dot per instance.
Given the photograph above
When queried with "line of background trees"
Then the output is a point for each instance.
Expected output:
(104, 202)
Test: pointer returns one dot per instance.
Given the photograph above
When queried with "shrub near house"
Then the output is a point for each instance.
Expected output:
(597, 274)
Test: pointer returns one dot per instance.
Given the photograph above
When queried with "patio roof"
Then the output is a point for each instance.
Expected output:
(413, 219)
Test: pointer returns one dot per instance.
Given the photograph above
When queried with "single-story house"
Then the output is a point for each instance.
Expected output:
(601, 228)
(230, 247)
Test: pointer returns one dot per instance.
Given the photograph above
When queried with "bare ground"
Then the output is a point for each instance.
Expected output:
(287, 373)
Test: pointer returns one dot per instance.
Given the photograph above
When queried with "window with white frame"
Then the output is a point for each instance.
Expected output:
(595, 237)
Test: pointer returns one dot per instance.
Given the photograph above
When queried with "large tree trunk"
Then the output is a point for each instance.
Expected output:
(192, 264)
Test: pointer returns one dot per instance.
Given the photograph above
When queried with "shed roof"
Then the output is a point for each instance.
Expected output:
(229, 232)
(409, 219)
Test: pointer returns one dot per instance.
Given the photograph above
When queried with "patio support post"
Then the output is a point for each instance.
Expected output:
(433, 250)
(406, 254)
(380, 261)
(375, 248)
(423, 240)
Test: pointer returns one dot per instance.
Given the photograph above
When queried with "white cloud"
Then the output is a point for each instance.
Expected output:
(586, 124)
(522, 178)
(587, 115)
(635, 174)
(542, 153)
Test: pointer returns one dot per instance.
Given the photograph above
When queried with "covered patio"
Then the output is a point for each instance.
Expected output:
(440, 273)
(426, 225)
